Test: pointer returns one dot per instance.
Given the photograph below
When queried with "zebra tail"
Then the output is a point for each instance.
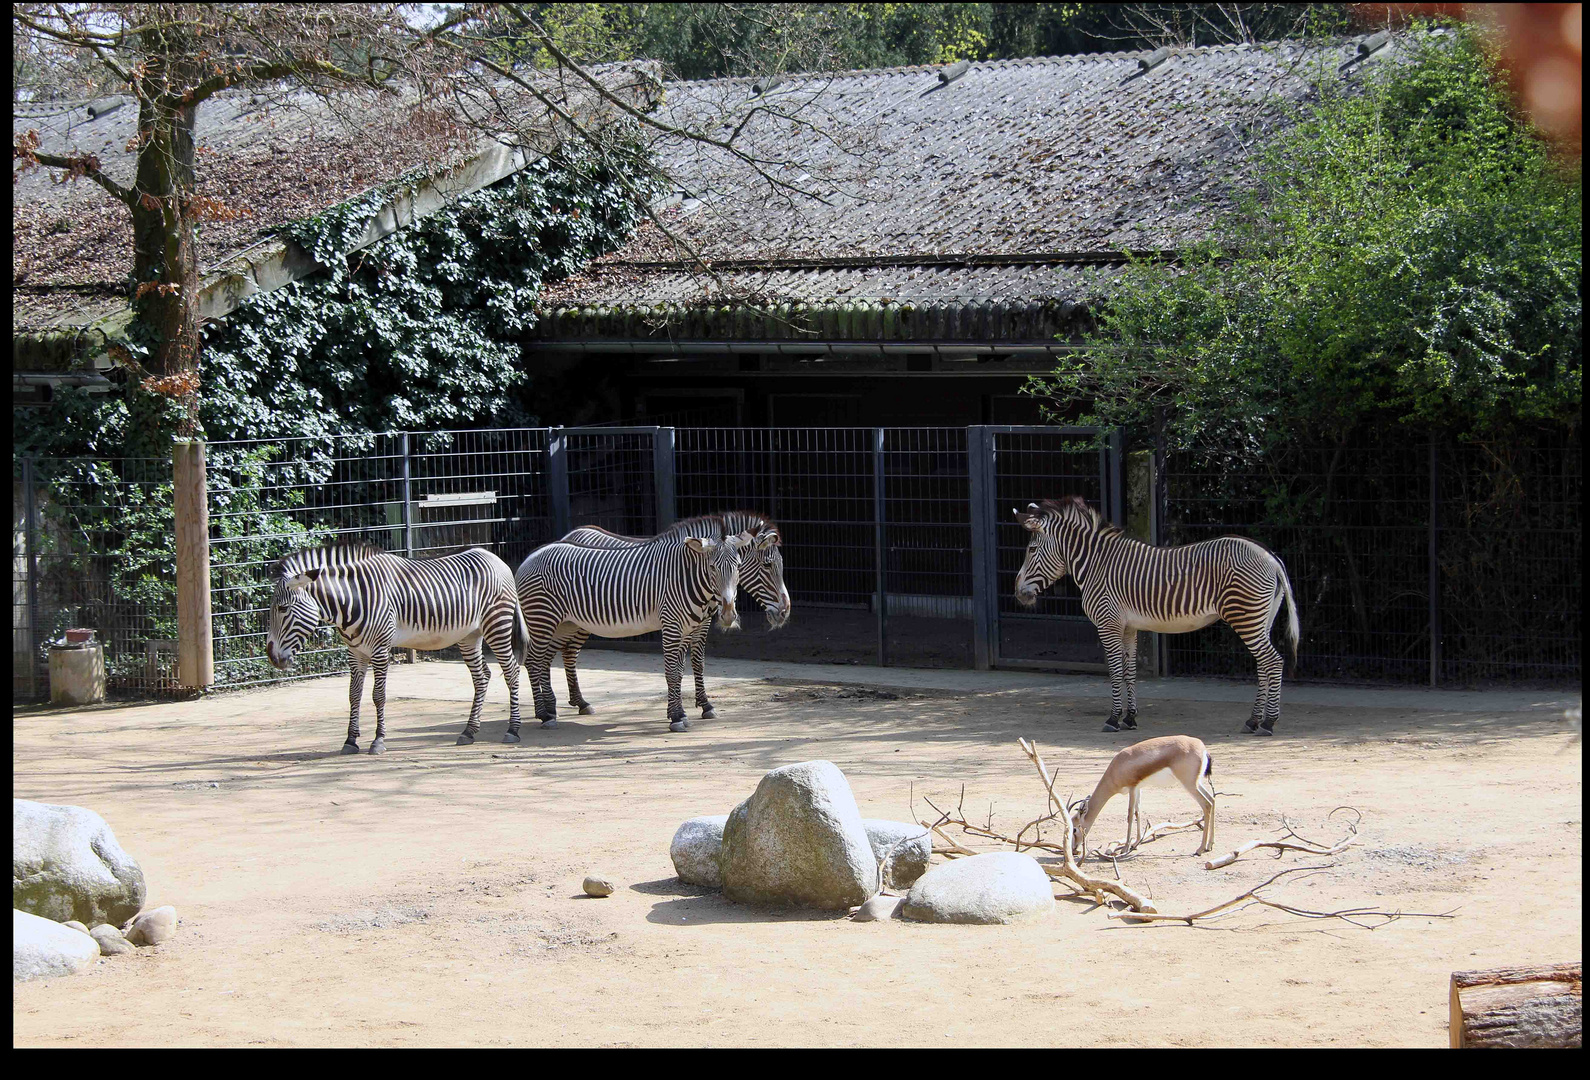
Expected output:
(1292, 632)
(521, 633)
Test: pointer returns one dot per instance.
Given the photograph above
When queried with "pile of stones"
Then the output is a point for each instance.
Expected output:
(800, 841)
(76, 895)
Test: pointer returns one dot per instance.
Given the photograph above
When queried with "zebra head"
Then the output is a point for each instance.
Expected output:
(295, 613)
(1045, 563)
(721, 561)
(762, 569)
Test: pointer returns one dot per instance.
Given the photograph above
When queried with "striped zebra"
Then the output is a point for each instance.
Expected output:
(379, 601)
(1128, 586)
(660, 584)
(761, 575)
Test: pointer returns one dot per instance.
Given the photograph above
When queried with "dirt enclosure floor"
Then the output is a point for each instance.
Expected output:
(432, 896)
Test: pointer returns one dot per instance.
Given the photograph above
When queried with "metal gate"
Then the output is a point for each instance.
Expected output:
(1011, 467)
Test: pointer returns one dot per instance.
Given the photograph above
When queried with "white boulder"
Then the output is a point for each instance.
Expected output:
(912, 846)
(798, 840)
(995, 887)
(695, 850)
(42, 949)
(66, 864)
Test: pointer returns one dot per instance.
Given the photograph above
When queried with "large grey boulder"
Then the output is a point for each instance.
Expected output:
(66, 864)
(798, 840)
(41, 949)
(912, 846)
(696, 848)
(996, 887)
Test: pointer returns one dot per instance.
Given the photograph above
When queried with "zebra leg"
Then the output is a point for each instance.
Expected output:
(357, 665)
(381, 660)
(1264, 715)
(698, 660)
(1110, 637)
(571, 654)
(539, 661)
(502, 646)
(1129, 646)
(673, 660)
(480, 676)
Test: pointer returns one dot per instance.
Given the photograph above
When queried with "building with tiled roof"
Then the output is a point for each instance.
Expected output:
(990, 205)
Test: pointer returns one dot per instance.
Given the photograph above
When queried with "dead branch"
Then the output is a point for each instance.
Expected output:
(1303, 844)
(1251, 897)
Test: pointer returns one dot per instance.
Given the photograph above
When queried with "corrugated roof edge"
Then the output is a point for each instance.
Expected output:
(1027, 61)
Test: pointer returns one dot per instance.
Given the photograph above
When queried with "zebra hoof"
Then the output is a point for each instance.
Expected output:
(378, 747)
(679, 725)
(586, 710)
(511, 737)
(1251, 726)
(549, 724)
(1129, 724)
(1264, 731)
(708, 712)
(465, 739)
(1111, 725)
(350, 748)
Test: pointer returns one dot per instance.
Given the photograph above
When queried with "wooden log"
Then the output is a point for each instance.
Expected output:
(1540, 1006)
(195, 644)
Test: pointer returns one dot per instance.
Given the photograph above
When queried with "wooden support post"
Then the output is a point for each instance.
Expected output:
(1541, 1006)
(1139, 525)
(985, 563)
(195, 643)
(881, 544)
(663, 476)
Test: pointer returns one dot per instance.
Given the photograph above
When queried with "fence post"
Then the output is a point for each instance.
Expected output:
(195, 641)
(1117, 469)
(985, 580)
(30, 531)
(1139, 525)
(663, 468)
(882, 549)
(408, 519)
(558, 481)
(1435, 570)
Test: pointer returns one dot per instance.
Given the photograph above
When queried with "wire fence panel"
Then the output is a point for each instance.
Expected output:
(878, 542)
(1510, 550)
(1030, 466)
(817, 484)
(928, 543)
(92, 543)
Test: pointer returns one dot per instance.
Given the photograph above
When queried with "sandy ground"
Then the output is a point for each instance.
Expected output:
(432, 896)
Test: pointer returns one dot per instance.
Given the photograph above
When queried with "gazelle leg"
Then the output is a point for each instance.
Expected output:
(1131, 817)
(1205, 793)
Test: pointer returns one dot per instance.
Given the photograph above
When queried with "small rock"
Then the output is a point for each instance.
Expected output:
(111, 943)
(911, 847)
(153, 926)
(695, 850)
(41, 949)
(878, 909)
(75, 925)
(995, 887)
(597, 886)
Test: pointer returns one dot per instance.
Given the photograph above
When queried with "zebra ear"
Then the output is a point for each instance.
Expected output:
(313, 573)
(766, 541)
(1032, 524)
(698, 543)
(1033, 507)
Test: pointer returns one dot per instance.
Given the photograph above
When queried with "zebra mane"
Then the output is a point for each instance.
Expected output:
(1092, 520)
(722, 518)
(343, 553)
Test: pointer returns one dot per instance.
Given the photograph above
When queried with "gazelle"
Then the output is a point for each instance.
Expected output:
(1188, 760)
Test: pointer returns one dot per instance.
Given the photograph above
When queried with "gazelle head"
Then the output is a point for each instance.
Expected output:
(1045, 562)
(1077, 812)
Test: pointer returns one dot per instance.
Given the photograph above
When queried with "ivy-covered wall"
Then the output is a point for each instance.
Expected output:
(418, 331)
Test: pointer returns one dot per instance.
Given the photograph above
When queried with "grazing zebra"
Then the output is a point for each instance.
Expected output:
(624, 591)
(761, 575)
(379, 601)
(1128, 586)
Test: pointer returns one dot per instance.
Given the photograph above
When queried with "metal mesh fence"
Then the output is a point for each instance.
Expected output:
(1363, 534)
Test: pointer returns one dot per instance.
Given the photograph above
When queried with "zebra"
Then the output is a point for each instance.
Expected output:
(379, 601)
(1128, 586)
(761, 574)
(659, 584)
